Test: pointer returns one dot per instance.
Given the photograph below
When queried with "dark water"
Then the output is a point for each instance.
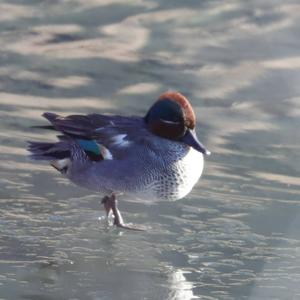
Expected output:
(236, 236)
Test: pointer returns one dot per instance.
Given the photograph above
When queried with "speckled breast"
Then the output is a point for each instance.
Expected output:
(178, 178)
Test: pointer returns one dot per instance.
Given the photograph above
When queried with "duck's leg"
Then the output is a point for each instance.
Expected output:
(107, 205)
(111, 205)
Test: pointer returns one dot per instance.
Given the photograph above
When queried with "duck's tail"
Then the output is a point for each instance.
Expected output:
(48, 151)
(74, 146)
(59, 153)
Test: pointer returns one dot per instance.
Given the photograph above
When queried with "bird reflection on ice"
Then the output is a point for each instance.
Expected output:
(180, 288)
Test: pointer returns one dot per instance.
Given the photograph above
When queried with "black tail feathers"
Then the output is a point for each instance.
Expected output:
(48, 151)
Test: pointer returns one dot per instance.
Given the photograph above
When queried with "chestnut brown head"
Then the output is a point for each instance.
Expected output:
(172, 117)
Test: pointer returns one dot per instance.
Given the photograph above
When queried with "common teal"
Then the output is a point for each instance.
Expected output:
(157, 156)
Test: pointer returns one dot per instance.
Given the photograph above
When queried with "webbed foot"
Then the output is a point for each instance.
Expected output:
(111, 206)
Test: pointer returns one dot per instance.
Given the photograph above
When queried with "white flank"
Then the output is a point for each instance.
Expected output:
(119, 140)
(106, 153)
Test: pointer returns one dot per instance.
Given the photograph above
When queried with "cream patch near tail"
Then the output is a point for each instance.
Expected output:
(61, 165)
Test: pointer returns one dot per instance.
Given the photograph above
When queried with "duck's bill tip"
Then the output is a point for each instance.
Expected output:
(207, 152)
(190, 138)
(202, 149)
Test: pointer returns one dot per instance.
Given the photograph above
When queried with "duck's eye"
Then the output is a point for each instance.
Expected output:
(175, 123)
(165, 110)
(166, 119)
(171, 130)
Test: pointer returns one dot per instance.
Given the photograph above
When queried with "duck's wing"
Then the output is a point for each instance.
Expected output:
(118, 134)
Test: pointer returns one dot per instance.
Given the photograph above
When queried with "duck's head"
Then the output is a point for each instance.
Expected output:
(172, 117)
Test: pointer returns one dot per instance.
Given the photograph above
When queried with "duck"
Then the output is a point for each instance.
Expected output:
(157, 156)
